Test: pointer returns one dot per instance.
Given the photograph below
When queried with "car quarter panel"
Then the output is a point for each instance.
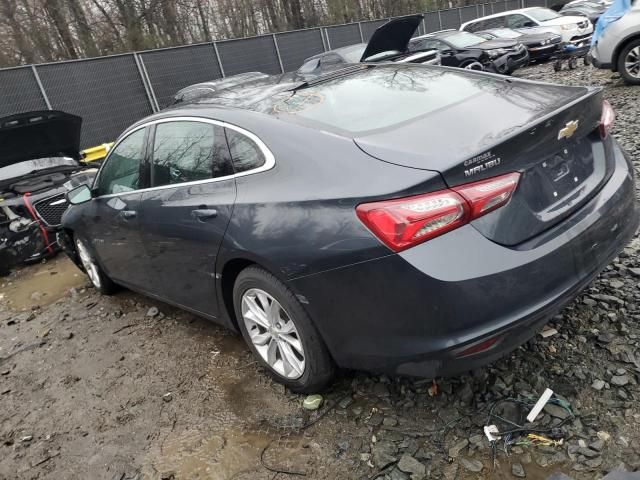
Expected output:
(299, 217)
(461, 287)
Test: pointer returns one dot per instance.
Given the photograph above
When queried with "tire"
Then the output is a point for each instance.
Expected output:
(630, 53)
(100, 281)
(474, 65)
(290, 330)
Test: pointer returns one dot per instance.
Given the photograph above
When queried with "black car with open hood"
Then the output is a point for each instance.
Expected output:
(389, 43)
(473, 52)
(39, 162)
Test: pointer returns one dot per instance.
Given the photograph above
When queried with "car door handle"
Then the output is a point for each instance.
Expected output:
(203, 214)
(128, 214)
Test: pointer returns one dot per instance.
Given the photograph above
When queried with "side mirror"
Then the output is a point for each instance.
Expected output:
(528, 24)
(446, 53)
(80, 194)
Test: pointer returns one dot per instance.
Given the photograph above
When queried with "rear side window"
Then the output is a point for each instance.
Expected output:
(186, 151)
(246, 155)
(121, 172)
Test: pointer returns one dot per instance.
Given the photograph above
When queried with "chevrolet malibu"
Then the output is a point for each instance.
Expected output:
(404, 219)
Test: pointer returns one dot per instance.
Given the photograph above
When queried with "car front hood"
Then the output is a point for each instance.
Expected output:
(392, 36)
(39, 134)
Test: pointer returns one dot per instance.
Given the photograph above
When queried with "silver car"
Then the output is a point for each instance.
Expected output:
(618, 47)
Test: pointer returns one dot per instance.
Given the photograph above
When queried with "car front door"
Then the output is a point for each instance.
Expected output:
(112, 221)
(186, 210)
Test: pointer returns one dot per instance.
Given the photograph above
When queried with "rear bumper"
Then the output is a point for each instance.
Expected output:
(415, 312)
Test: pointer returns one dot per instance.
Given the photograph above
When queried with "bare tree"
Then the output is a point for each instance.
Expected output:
(43, 30)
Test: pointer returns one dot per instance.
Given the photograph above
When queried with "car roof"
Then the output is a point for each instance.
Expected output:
(502, 14)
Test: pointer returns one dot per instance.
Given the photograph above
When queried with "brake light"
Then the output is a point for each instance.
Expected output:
(607, 119)
(406, 222)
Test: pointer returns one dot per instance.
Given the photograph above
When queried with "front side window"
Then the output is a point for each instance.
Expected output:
(246, 155)
(188, 151)
(121, 172)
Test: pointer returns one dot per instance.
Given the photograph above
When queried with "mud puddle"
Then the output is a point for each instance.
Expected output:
(40, 284)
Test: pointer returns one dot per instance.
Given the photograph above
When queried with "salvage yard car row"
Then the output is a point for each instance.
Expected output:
(333, 231)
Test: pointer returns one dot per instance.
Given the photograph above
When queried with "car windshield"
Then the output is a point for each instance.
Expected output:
(506, 33)
(464, 39)
(354, 53)
(542, 14)
(354, 102)
(21, 169)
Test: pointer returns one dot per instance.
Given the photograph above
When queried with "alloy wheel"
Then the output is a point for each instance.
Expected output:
(632, 62)
(273, 333)
(89, 264)
(474, 66)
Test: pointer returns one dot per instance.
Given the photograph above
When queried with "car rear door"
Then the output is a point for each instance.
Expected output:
(186, 210)
(112, 222)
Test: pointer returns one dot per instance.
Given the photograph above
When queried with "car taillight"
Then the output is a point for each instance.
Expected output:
(405, 222)
(607, 119)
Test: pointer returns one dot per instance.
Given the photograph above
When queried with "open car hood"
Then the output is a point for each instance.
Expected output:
(392, 36)
(39, 134)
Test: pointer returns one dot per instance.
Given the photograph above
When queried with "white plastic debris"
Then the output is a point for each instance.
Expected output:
(537, 408)
(312, 402)
(491, 432)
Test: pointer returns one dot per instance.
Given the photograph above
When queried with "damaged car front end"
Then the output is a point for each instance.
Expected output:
(39, 163)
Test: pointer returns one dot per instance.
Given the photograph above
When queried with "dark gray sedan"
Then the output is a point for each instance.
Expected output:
(395, 218)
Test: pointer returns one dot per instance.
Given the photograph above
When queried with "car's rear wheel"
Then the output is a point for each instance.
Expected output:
(629, 63)
(280, 333)
(98, 278)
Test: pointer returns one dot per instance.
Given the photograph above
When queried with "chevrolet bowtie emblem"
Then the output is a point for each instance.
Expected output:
(568, 130)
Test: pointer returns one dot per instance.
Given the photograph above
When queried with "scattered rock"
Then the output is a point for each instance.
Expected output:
(410, 465)
(556, 411)
(471, 464)
(598, 384)
(454, 451)
(518, 470)
(167, 397)
(383, 453)
(153, 312)
(619, 380)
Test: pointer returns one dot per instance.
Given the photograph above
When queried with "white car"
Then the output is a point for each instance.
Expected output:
(617, 46)
(576, 30)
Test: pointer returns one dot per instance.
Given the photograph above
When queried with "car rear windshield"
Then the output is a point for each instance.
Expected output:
(464, 39)
(377, 97)
(542, 14)
(353, 53)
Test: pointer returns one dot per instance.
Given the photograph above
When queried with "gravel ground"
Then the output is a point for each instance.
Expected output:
(122, 387)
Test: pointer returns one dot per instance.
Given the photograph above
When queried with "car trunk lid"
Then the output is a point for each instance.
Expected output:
(547, 133)
(39, 134)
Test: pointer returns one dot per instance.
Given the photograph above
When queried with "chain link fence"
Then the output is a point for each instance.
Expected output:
(110, 93)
